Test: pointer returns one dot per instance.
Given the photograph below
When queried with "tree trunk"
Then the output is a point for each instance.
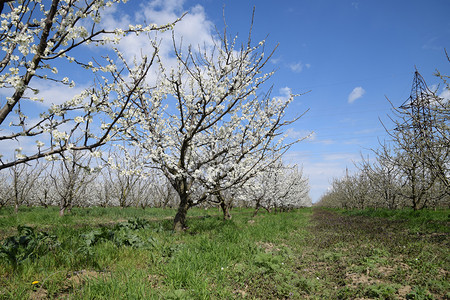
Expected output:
(256, 210)
(225, 206)
(225, 210)
(62, 209)
(16, 192)
(179, 223)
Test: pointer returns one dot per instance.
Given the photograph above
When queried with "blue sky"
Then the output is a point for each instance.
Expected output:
(333, 48)
(348, 55)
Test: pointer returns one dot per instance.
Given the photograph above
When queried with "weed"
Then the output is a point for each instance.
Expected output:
(267, 262)
(27, 244)
(123, 234)
(419, 293)
(381, 291)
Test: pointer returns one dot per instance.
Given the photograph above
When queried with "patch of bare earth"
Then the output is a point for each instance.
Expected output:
(80, 277)
(358, 279)
(39, 294)
(268, 247)
(155, 280)
(403, 291)
(369, 251)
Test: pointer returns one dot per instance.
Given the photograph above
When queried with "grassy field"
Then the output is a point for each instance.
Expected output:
(99, 253)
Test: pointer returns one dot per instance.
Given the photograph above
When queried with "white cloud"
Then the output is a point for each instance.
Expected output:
(445, 94)
(298, 67)
(343, 157)
(357, 93)
(195, 29)
(275, 60)
(285, 93)
(300, 134)
(51, 92)
(312, 136)
(355, 4)
(434, 87)
(54, 93)
(8, 147)
(434, 43)
(324, 142)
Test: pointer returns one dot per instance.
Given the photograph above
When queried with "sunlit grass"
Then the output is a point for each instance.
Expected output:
(304, 253)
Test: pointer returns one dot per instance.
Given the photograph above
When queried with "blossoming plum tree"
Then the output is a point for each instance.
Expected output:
(206, 124)
(279, 186)
(70, 179)
(39, 38)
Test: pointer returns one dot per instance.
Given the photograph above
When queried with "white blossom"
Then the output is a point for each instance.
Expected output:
(59, 136)
(79, 119)
(96, 154)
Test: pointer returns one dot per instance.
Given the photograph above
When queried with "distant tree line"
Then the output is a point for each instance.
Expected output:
(73, 182)
(411, 169)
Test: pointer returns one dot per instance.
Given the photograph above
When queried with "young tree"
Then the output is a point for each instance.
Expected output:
(23, 180)
(41, 38)
(124, 173)
(144, 193)
(279, 186)
(295, 189)
(70, 177)
(420, 145)
(103, 189)
(383, 178)
(344, 190)
(226, 184)
(44, 190)
(6, 193)
(206, 119)
(166, 196)
(441, 109)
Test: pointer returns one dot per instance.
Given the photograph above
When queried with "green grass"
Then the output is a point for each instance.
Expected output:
(37, 216)
(424, 220)
(97, 254)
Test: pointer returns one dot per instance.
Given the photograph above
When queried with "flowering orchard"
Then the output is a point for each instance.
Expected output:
(64, 184)
(206, 125)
